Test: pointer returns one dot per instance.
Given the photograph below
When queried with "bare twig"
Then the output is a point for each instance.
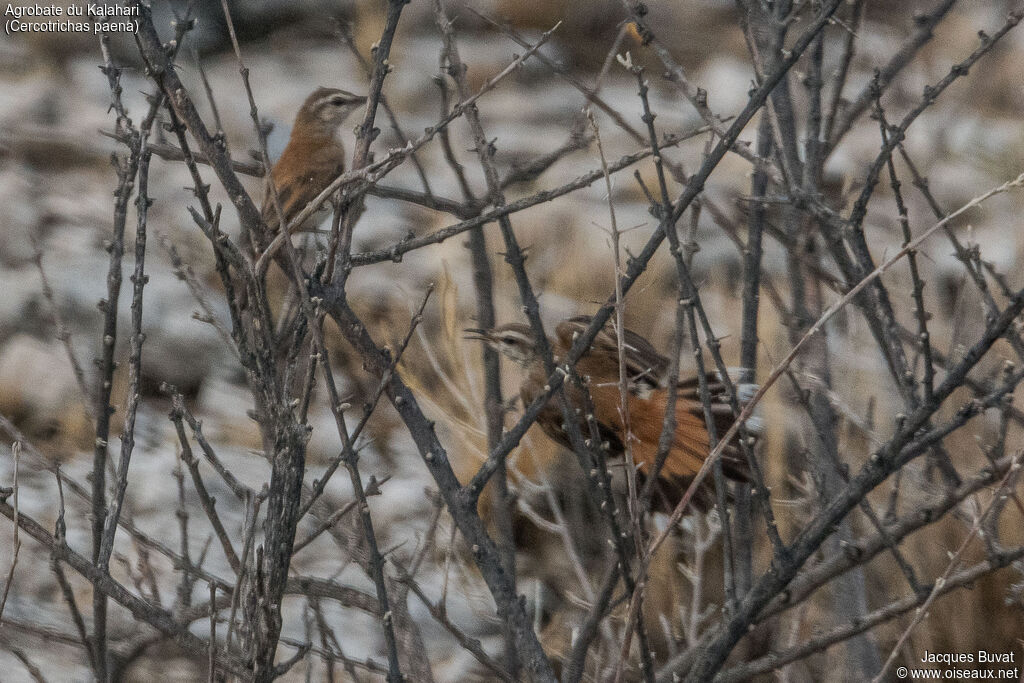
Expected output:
(16, 454)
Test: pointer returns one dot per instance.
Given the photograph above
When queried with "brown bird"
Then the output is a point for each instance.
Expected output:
(647, 396)
(314, 155)
(313, 158)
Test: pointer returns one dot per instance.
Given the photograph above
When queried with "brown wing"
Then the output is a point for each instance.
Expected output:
(721, 410)
(293, 197)
(269, 211)
(690, 443)
(644, 365)
(299, 176)
(647, 403)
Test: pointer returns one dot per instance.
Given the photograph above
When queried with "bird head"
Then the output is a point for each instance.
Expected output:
(326, 109)
(514, 341)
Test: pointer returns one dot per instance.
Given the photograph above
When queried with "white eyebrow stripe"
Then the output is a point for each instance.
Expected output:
(326, 99)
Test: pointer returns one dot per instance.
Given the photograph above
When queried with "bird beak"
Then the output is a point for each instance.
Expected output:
(477, 334)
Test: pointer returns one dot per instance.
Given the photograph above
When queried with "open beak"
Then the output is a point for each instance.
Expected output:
(477, 334)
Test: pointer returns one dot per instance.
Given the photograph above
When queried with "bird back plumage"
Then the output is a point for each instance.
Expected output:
(647, 401)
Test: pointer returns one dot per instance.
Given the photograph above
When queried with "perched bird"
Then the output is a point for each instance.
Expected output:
(313, 158)
(647, 397)
(314, 155)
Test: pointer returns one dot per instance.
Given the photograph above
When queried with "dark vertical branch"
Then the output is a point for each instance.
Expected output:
(849, 46)
(483, 283)
(346, 33)
(849, 597)
(485, 306)
(127, 169)
(340, 243)
(749, 343)
(765, 28)
(139, 279)
(690, 300)
(920, 310)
